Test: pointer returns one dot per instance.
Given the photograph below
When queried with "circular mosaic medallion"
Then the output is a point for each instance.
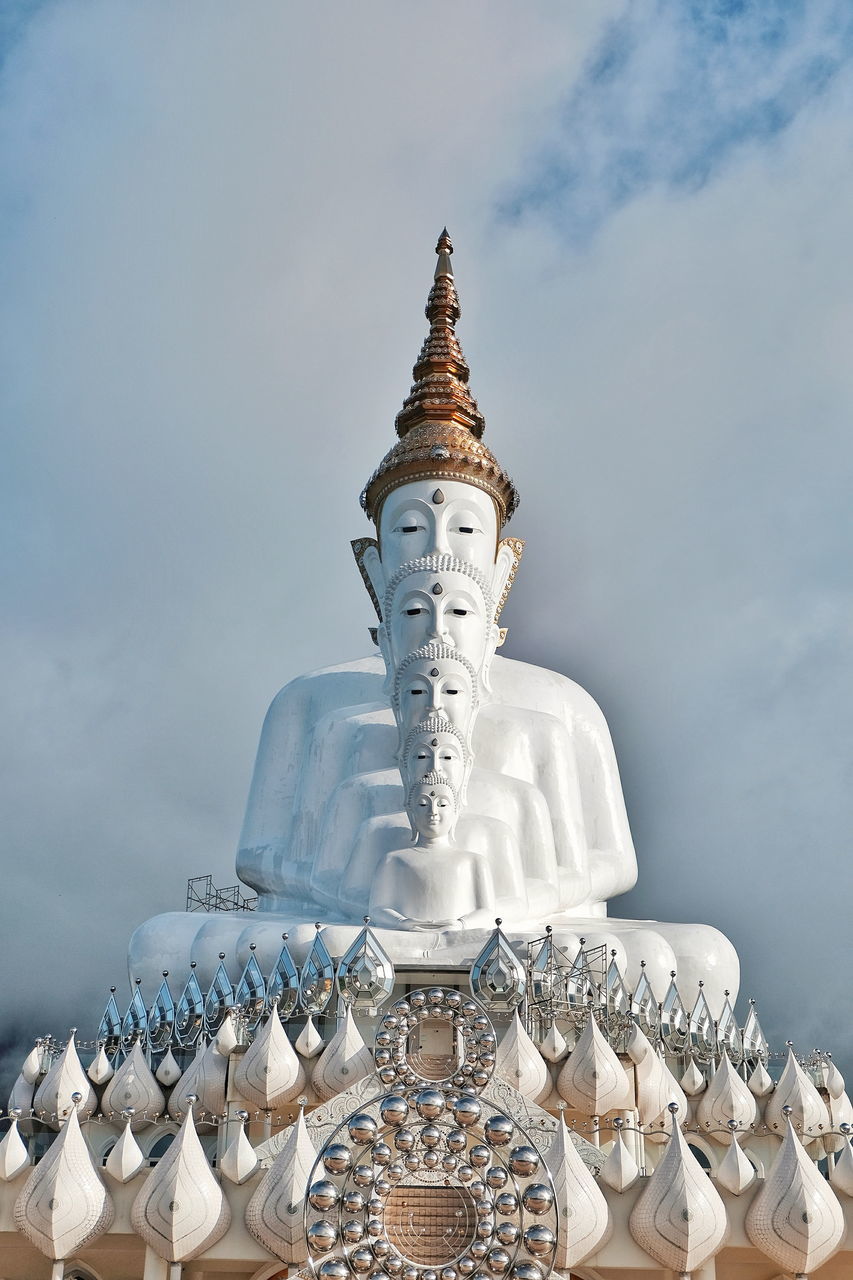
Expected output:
(423, 1184)
(435, 1037)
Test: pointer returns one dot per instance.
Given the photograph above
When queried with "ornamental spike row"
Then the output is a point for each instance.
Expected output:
(625, 1113)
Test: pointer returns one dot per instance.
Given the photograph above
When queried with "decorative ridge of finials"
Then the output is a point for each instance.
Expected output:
(440, 391)
(440, 426)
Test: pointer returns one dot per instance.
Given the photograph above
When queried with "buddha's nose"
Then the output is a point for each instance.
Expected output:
(441, 542)
(437, 630)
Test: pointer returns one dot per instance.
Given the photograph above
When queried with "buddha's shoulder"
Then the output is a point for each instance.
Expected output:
(345, 684)
(539, 688)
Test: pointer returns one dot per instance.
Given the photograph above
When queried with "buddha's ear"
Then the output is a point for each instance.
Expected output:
(366, 552)
(384, 643)
(507, 560)
(469, 764)
(493, 639)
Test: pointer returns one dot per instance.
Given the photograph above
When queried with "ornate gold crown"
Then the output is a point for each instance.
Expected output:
(439, 424)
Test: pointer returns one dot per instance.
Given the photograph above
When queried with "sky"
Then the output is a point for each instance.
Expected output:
(217, 226)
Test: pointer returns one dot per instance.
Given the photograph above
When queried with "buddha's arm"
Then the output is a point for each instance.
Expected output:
(345, 818)
(275, 783)
(612, 860)
(266, 857)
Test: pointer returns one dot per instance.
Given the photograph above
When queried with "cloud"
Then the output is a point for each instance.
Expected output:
(670, 93)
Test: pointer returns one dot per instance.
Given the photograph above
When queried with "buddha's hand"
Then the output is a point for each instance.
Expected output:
(388, 918)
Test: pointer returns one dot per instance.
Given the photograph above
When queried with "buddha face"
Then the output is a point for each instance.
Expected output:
(443, 607)
(432, 811)
(436, 752)
(428, 687)
(432, 517)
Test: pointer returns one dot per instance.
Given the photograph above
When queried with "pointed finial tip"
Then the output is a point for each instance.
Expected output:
(445, 244)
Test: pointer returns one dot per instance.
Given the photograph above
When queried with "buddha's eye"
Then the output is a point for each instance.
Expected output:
(461, 613)
(451, 692)
(413, 613)
(422, 755)
(416, 693)
(407, 528)
(445, 755)
(466, 528)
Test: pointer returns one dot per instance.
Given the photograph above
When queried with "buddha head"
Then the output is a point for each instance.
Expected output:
(435, 680)
(437, 746)
(423, 518)
(432, 804)
(438, 600)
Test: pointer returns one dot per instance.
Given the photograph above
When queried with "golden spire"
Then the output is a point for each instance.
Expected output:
(440, 392)
(439, 424)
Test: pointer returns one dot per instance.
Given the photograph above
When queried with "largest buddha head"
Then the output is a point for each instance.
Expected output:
(439, 499)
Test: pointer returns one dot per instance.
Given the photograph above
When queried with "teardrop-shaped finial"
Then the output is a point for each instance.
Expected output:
(679, 1217)
(795, 1218)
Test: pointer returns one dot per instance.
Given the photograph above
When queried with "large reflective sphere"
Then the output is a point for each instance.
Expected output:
(352, 1201)
(539, 1240)
(322, 1236)
(362, 1175)
(337, 1158)
(467, 1110)
(334, 1269)
(523, 1161)
(404, 1140)
(498, 1130)
(429, 1104)
(394, 1111)
(537, 1198)
(362, 1129)
(497, 1261)
(430, 1135)
(526, 1271)
(322, 1195)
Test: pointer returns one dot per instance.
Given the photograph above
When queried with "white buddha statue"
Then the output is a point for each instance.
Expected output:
(434, 881)
(509, 801)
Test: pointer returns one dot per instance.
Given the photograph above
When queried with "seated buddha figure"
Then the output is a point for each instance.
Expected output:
(434, 881)
(522, 763)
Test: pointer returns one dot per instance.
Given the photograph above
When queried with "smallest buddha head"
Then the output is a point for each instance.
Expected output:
(437, 746)
(432, 804)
